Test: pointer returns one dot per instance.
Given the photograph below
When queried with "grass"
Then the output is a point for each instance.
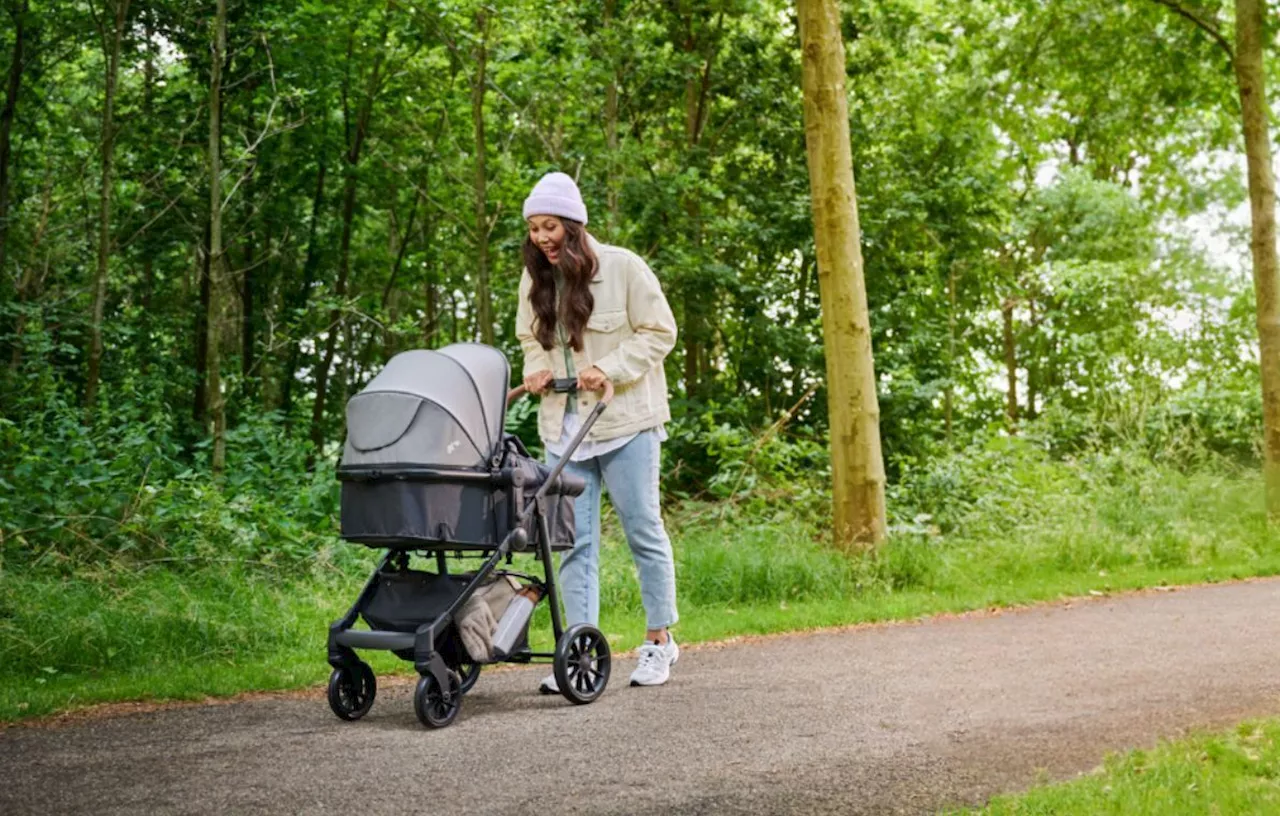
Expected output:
(1012, 528)
(1237, 772)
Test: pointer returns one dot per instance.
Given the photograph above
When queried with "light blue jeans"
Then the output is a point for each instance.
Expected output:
(630, 474)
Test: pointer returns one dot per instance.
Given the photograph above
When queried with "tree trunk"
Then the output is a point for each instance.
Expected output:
(1250, 79)
(1031, 350)
(199, 406)
(217, 262)
(1010, 366)
(400, 245)
(698, 296)
(121, 9)
(248, 321)
(484, 299)
(857, 467)
(148, 260)
(352, 159)
(299, 301)
(431, 315)
(335, 315)
(611, 118)
(29, 282)
(453, 317)
(20, 34)
(949, 393)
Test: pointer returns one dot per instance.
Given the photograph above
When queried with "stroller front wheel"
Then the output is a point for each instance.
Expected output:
(437, 707)
(351, 690)
(470, 673)
(582, 663)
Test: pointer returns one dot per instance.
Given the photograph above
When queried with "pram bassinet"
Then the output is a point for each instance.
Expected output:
(426, 462)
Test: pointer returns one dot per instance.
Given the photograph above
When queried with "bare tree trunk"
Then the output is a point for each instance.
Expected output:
(352, 158)
(1010, 366)
(217, 262)
(857, 466)
(484, 299)
(1250, 79)
(121, 9)
(20, 34)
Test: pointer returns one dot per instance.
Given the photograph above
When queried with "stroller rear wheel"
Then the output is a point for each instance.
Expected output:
(582, 663)
(351, 690)
(437, 707)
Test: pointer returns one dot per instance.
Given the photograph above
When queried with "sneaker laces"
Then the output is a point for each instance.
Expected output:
(651, 656)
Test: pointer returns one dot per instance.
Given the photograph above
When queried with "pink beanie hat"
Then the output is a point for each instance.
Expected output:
(556, 194)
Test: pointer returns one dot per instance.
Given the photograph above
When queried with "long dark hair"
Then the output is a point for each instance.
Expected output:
(578, 265)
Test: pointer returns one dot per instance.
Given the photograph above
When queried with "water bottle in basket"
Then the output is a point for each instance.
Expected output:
(514, 622)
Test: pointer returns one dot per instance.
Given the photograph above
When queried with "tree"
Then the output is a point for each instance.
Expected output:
(857, 468)
(484, 305)
(21, 33)
(356, 129)
(1247, 62)
(217, 260)
(111, 43)
(1251, 79)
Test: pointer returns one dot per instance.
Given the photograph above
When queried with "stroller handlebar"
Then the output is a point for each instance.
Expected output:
(564, 386)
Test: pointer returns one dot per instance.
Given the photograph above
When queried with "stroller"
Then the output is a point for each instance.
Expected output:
(427, 470)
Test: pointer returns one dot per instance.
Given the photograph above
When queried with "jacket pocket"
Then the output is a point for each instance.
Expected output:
(606, 321)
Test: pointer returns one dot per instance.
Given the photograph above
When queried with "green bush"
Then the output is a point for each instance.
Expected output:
(124, 486)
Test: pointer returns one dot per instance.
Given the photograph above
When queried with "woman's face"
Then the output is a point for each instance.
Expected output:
(547, 234)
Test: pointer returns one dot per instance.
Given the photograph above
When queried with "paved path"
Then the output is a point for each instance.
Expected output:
(888, 719)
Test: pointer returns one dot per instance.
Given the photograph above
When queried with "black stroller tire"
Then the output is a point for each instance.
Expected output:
(351, 690)
(434, 706)
(470, 673)
(582, 664)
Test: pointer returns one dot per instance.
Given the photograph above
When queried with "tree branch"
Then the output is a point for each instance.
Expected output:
(1206, 25)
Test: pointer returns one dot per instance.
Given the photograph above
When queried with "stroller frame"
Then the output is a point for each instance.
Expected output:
(581, 658)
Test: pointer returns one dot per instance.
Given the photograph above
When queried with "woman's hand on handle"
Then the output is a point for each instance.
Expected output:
(593, 379)
(538, 381)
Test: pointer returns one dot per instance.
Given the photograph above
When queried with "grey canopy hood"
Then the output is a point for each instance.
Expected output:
(431, 408)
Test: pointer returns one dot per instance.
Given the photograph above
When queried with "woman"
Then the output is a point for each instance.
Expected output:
(596, 312)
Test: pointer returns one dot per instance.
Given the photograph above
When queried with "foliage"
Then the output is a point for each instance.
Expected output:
(125, 489)
(998, 156)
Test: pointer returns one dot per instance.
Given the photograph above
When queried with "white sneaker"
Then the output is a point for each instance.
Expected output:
(549, 685)
(656, 661)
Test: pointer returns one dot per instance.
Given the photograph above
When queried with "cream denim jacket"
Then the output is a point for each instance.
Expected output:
(630, 331)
